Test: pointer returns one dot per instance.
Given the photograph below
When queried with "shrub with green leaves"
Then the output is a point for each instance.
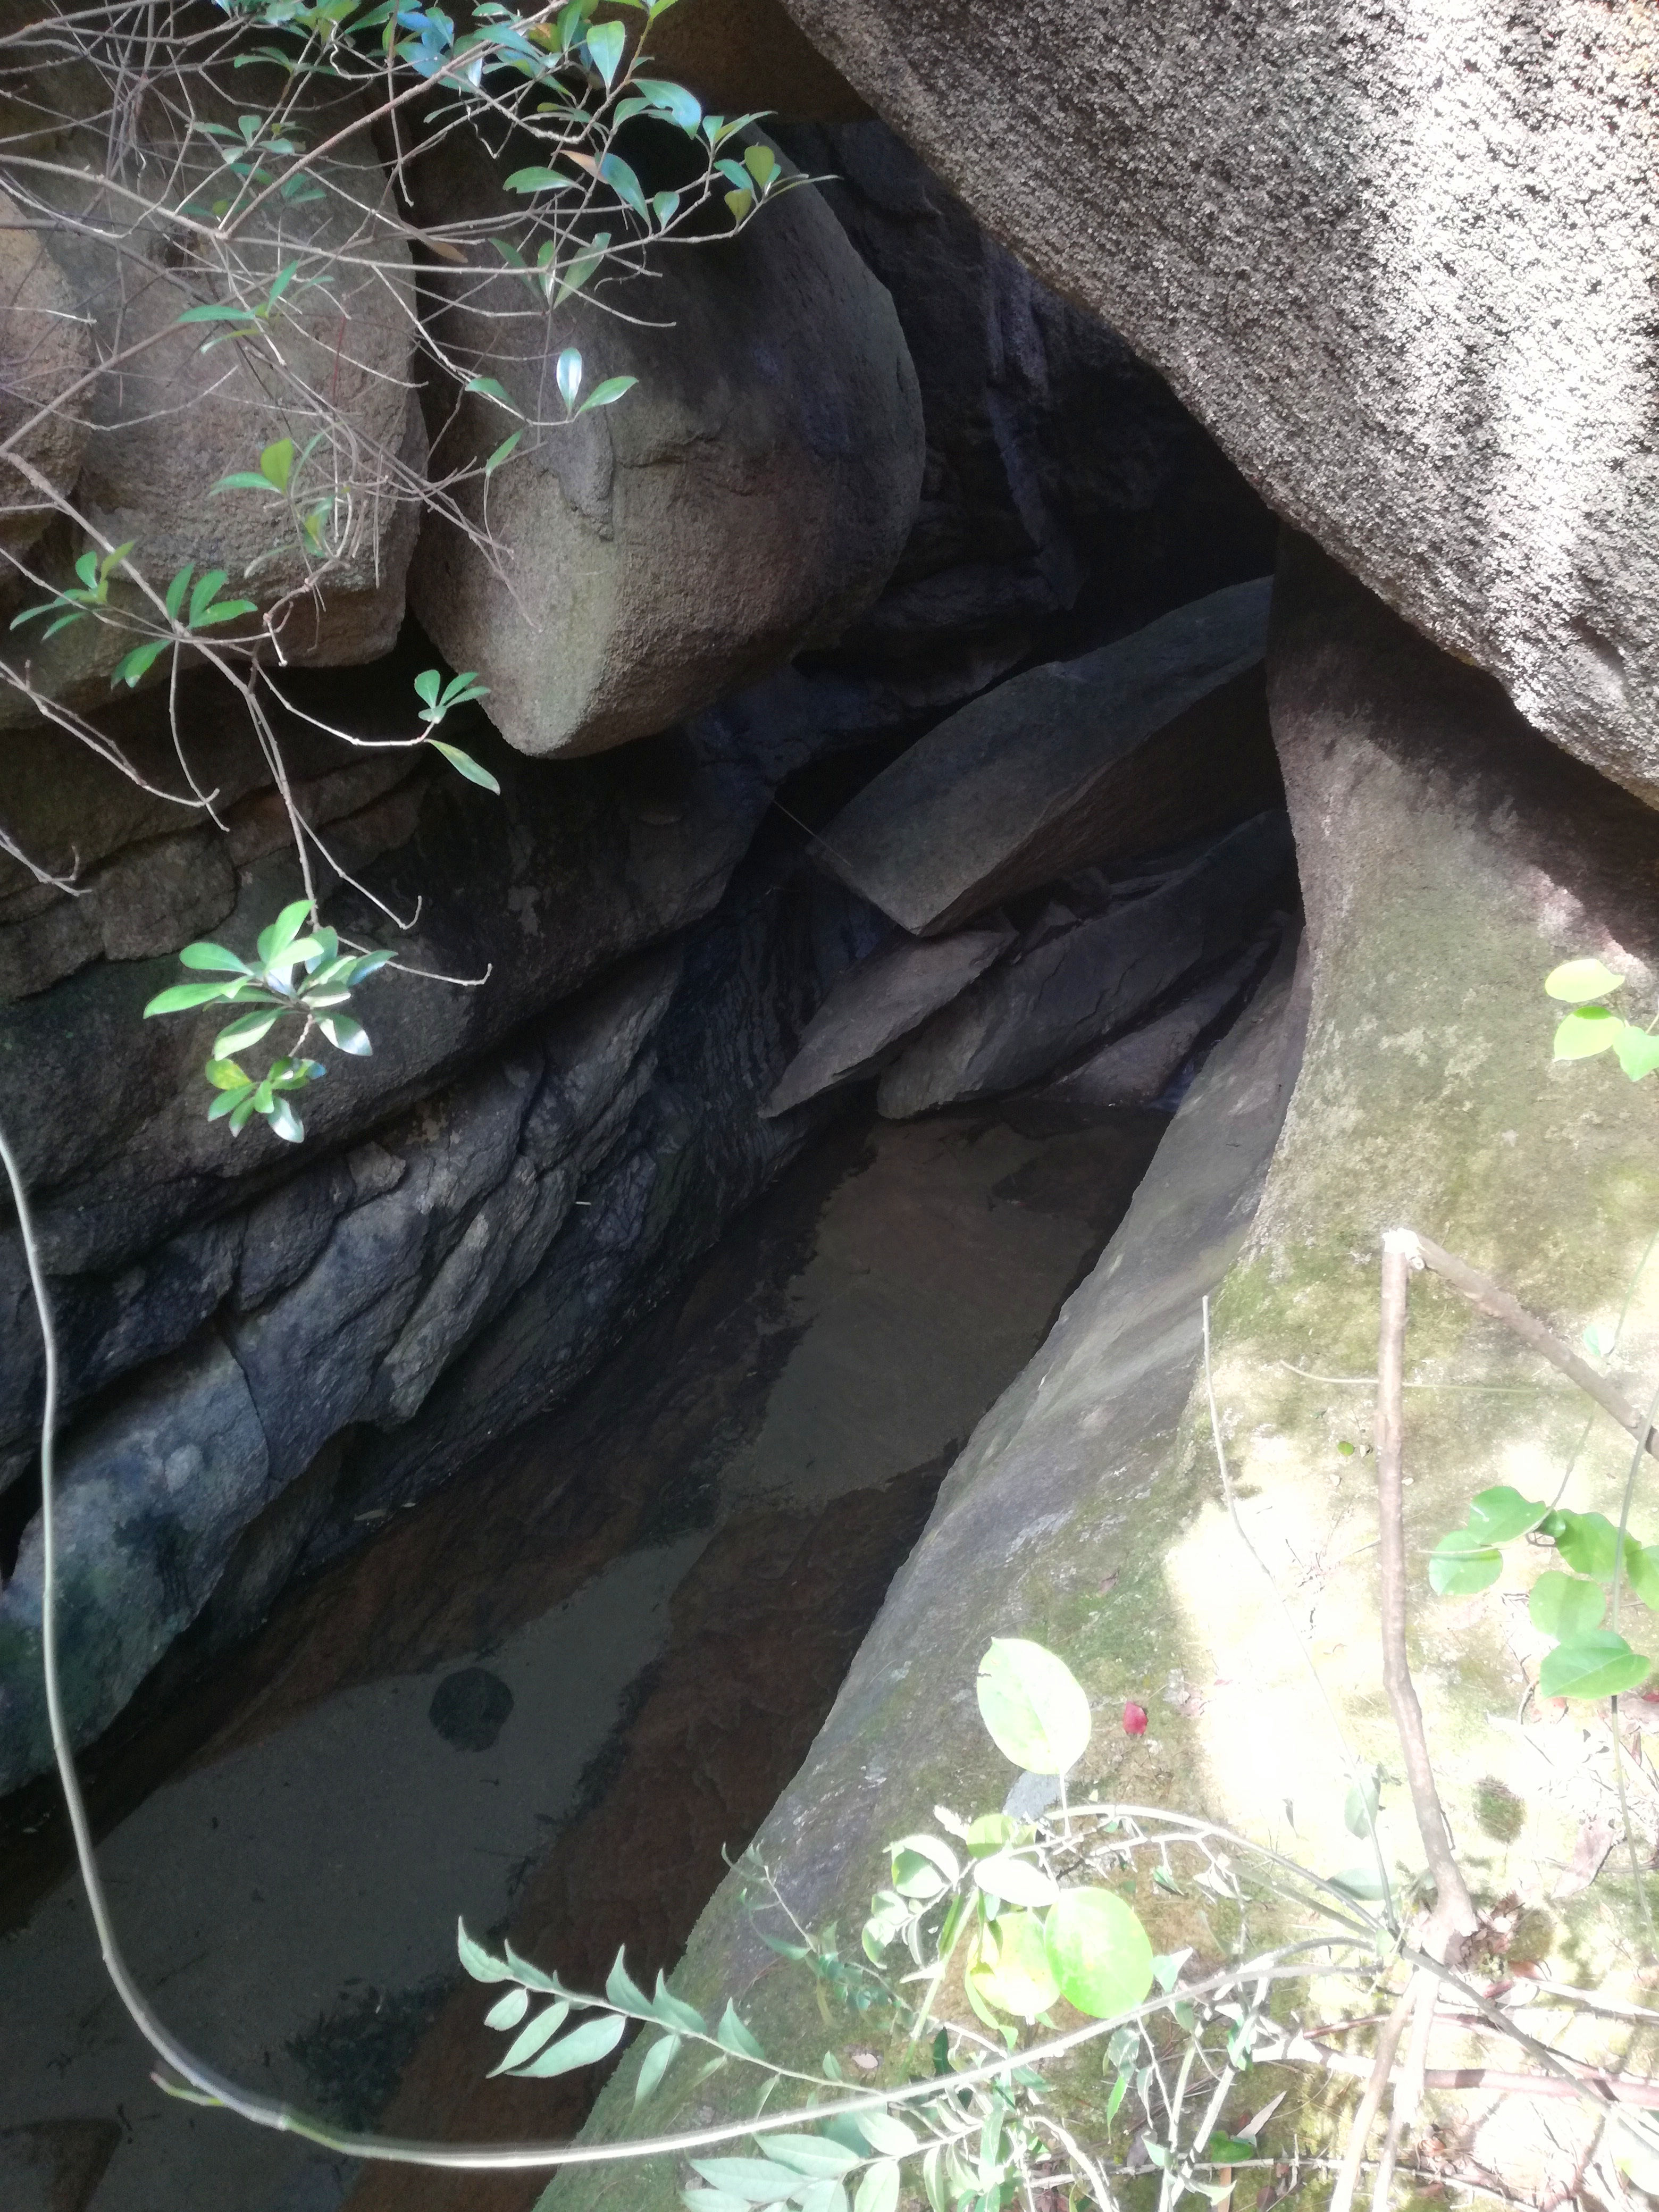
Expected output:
(1592, 1027)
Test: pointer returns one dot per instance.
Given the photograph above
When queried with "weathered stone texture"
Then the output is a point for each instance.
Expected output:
(1400, 262)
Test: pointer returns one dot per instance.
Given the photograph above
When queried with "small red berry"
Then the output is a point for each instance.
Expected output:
(1135, 1719)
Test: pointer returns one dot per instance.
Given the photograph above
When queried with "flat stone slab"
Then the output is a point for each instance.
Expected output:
(1153, 739)
(1074, 987)
(877, 1005)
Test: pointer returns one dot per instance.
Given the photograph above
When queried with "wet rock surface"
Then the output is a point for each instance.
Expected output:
(668, 1575)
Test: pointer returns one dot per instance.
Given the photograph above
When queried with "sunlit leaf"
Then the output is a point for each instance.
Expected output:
(1032, 1706)
(1583, 1034)
(568, 376)
(1576, 981)
(1498, 1515)
(1597, 1665)
(1009, 1966)
(818, 2157)
(1460, 1565)
(1566, 1605)
(1100, 1954)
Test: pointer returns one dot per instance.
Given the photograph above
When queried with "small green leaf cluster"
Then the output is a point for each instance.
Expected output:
(438, 698)
(300, 972)
(1591, 1027)
(280, 471)
(1588, 1660)
(206, 608)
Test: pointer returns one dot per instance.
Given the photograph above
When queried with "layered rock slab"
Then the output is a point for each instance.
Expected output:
(1074, 982)
(744, 501)
(1401, 266)
(1140, 744)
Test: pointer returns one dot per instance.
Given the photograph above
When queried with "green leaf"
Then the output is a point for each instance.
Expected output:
(247, 1030)
(532, 1976)
(732, 2035)
(621, 179)
(816, 2157)
(228, 1101)
(349, 1035)
(1361, 1882)
(584, 2046)
(541, 2030)
(1460, 1564)
(226, 611)
(825, 2195)
(217, 314)
(427, 684)
(888, 2135)
(1597, 1665)
(241, 1111)
(623, 1991)
(243, 480)
(657, 2062)
(739, 206)
(1227, 2150)
(1016, 1880)
(138, 662)
(762, 164)
(538, 180)
(284, 1123)
(1497, 1516)
(1011, 1968)
(582, 268)
(283, 931)
(749, 2180)
(608, 393)
(674, 2012)
(276, 463)
(605, 44)
(488, 387)
(179, 997)
(664, 206)
(1032, 1706)
(176, 590)
(670, 99)
(504, 452)
(1100, 1954)
(878, 2191)
(205, 588)
(712, 2200)
(1359, 1807)
(1637, 1053)
(478, 1961)
(1588, 1542)
(1583, 1034)
(990, 1833)
(1565, 1605)
(1576, 981)
(1642, 1566)
(508, 2011)
(225, 1075)
(569, 374)
(467, 766)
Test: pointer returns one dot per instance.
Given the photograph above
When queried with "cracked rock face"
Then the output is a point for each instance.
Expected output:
(1399, 262)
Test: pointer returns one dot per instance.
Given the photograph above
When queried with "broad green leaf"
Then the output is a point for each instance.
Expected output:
(427, 684)
(138, 662)
(225, 610)
(1588, 1542)
(608, 393)
(1460, 1564)
(888, 2134)
(605, 42)
(1016, 1880)
(664, 206)
(916, 1877)
(816, 2157)
(1359, 1807)
(657, 2062)
(536, 180)
(936, 1853)
(1565, 1605)
(1576, 981)
(247, 1030)
(1227, 2150)
(283, 931)
(488, 387)
(1583, 1034)
(740, 204)
(878, 2191)
(1596, 1665)
(284, 1122)
(674, 2012)
(584, 2046)
(623, 1990)
(241, 1112)
(478, 1961)
(990, 1833)
(1100, 1954)
(621, 179)
(504, 452)
(751, 2180)
(1642, 1566)
(349, 1035)
(215, 957)
(582, 268)
(826, 2196)
(206, 588)
(762, 164)
(225, 1075)
(508, 2011)
(1636, 1051)
(1497, 1516)
(467, 766)
(276, 463)
(568, 376)
(1010, 1967)
(541, 2030)
(1032, 1706)
(180, 996)
(671, 100)
(228, 1101)
(732, 2035)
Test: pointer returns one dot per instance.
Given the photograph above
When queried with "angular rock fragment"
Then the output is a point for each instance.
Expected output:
(1075, 987)
(1137, 1069)
(1157, 737)
(877, 1005)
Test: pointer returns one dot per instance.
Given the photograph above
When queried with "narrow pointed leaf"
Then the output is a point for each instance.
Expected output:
(657, 2062)
(529, 2041)
(466, 765)
(584, 2046)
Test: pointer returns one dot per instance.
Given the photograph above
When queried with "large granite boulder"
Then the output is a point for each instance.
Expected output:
(1451, 856)
(162, 429)
(1405, 279)
(745, 499)
(1157, 737)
